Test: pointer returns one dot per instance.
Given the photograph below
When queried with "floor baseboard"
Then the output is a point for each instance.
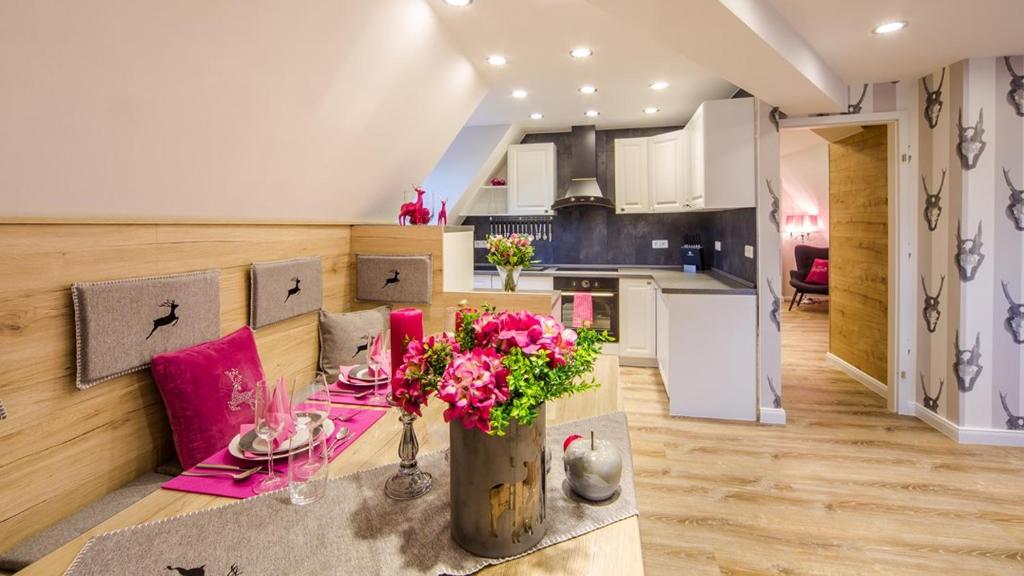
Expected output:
(857, 374)
(967, 435)
(773, 416)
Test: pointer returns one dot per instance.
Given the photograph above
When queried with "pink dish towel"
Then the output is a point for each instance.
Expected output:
(582, 309)
(358, 424)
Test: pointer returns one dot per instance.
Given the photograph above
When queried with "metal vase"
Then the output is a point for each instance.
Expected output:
(498, 488)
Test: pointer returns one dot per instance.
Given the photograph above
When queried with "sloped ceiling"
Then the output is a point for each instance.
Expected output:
(256, 110)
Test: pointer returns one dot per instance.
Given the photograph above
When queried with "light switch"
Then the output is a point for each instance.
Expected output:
(659, 243)
(479, 243)
(748, 251)
(718, 246)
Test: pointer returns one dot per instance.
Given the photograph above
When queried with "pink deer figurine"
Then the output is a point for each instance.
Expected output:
(442, 215)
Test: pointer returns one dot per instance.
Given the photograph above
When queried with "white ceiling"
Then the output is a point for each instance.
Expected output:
(791, 141)
(536, 36)
(940, 32)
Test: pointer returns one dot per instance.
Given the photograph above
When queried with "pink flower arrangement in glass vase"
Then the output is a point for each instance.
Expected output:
(498, 366)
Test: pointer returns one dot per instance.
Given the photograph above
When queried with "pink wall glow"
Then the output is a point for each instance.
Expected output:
(804, 191)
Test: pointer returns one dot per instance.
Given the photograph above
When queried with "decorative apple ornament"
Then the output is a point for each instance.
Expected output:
(593, 468)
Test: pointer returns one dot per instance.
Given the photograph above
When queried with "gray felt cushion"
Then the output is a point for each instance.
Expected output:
(121, 324)
(75, 525)
(285, 289)
(393, 278)
(344, 337)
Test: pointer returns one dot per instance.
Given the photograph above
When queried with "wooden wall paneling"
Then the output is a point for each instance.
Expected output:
(858, 252)
(88, 443)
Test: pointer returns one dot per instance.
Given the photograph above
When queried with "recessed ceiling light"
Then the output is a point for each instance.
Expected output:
(659, 85)
(519, 93)
(536, 116)
(580, 52)
(651, 110)
(890, 27)
(497, 60)
(458, 2)
(591, 113)
(587, 89)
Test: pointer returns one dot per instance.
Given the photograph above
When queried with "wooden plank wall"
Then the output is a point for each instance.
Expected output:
(62, 448)
(859, 251)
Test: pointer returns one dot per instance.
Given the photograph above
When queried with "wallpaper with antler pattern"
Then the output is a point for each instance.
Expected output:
(970, 330)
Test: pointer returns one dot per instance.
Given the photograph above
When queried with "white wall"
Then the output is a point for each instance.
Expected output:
(460, 167)
(804, 191)
(255, 109)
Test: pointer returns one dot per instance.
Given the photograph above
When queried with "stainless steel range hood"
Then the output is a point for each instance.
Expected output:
(583, 189)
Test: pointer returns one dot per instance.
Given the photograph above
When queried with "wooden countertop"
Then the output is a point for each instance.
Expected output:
(612, 550)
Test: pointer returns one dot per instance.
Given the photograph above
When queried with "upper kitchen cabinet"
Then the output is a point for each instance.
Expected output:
(720, 152)
(631, 194)
(650, 173)
(531, 178)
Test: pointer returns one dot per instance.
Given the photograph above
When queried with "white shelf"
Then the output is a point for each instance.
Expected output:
(490, 187)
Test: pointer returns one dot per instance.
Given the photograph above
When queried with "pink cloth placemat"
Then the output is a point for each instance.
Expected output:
(344, 393)
(360, 422)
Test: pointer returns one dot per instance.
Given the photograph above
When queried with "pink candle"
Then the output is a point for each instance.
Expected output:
(406, 324)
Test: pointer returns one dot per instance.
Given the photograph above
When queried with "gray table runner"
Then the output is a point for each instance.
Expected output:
(355, 529)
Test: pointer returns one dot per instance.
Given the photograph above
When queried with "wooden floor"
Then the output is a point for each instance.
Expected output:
(845, 487)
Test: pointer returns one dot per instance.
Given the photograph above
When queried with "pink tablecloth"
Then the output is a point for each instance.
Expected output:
(346, 394)
(360, 422)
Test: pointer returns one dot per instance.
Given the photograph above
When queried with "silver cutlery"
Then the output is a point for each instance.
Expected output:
(234, 476)
(340, 438)
(356, 395)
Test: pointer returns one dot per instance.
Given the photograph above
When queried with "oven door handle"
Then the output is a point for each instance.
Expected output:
(599, 294)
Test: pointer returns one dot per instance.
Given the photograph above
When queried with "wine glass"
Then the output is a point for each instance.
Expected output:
(269, 425)
(311, 406)
(308, 471)
(379, 361)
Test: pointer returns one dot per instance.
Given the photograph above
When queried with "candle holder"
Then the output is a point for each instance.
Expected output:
(410, 482)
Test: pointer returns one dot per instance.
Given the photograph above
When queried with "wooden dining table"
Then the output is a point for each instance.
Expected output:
(612, 550)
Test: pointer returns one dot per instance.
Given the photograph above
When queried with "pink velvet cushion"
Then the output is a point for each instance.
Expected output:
(818, 273)
(207, 391)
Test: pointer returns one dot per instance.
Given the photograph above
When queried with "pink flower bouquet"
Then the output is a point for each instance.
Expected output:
(496, 367)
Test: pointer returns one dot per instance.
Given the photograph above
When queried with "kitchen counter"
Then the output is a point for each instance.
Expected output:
(555, 294)
(669, 279)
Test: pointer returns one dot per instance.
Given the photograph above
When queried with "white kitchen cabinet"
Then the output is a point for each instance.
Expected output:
(533, 283)
(661, 339)
(531, 178)
(637, 320)
(483, 281)
(631, 195)
(721, 155)
(666, 171)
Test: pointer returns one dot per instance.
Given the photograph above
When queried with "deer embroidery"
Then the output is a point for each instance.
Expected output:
(967, 365)
(856, 107)
(1015, 209)
(773, 215)
(933, 203)
(933, 101)
(1014, 322)
(392, 280)
(932, 403)
(239, 395)
(294, 289)
(1013, 422)
(363, 346)
(171, 318)
(970, 143)
(931, 311)
(1016, 94)
(776, 397)
(968, 254)
(776, 305)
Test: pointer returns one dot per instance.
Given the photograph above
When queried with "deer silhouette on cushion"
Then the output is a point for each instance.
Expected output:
(970, 143)
(931, 403)
(363, 346)
(171, 318)
(933, 203)
(293, 290)
(773, 214)
(967, 365)
(968, 254)
(1013, 421)
(933, 101)
(1014, 322)
(1016, 94)
(931, 311)
(392, 280)
(1015, 209)
(414, 212)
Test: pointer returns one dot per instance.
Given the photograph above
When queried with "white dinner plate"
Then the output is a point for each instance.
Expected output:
(299, 441)
(360, 376)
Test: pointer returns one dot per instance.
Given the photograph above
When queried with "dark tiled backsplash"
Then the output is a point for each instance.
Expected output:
(593, 235)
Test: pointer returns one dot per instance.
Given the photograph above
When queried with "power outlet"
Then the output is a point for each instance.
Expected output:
(659, 243)
(748, 251)
(718, 246)
(479, 243)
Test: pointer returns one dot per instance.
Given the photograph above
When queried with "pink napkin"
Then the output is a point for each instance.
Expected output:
(358, 424)
(582, 309)
(345, 392)
(280, 413)
(376, 355)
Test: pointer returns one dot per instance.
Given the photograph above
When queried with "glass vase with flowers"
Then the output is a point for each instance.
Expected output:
(509, 254)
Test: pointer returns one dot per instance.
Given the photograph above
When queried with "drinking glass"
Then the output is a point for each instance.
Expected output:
(379, 361)
(311, 404)
(308, 470)
(269, 425)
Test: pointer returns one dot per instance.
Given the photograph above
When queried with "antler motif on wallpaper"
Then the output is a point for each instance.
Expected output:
(776, 397)
(1015, 209)
(933, 202)
(932, 402)
(933, 101)
(773, 214)
(1014, 322)
(857, 106)
(967, 364)
(968, 254)
(776, 306)
(931, 312)
(1015, 97)
(1013, 421)
(970, 140)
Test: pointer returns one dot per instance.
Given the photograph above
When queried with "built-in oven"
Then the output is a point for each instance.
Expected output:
(604, 295)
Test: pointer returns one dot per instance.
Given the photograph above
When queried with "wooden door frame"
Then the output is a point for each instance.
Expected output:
(903, 208)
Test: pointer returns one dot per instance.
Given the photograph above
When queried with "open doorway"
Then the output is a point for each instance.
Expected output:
(837, 185)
